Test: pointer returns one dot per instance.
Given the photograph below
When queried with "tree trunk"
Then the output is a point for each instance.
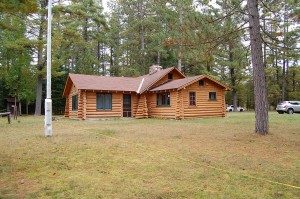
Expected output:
(20, 107)
(179, 64)
(277, 68)
(208, 68)
(111, 56)
(283, 79)
(143, 48)
(85, 30)
(158, 57)
(98, 57)
(38, 99)
(260, 87)
(285, 55)
(232, 77)
(265, 45)
(40, 65)
(142, 35)
(294, 81)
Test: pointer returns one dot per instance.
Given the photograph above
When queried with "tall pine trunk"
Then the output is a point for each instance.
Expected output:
(179, 64)
(38, 99)
(40, 65)
(142, 35)
(158, 58)
(232, 77)
(260, 86)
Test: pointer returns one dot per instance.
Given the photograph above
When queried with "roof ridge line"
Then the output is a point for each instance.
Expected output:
(138, 91)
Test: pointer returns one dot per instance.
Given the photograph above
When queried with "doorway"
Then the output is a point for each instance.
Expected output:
(126, 105)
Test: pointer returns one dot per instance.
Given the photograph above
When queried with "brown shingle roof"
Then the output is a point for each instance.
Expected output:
(181, 83)
(92, 82)
(130, 84)
(149, 80)
(138, 84)
(175, 84)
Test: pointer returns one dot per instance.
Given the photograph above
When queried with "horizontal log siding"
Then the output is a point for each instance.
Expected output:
(80, 105)
(179, 106)
(73, 91)
(134, 104)
(83, 104)
(67, 108)
(92, 112)
(204, 107)
(162, 111)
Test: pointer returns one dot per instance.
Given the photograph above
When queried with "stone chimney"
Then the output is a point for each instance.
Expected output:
(154, 68)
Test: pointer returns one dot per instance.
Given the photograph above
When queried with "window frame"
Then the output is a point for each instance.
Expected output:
(192, 100)
(170, 76)
(201, 82)
(104, 103)
(75, 102)
(167, 99)
(210, 96)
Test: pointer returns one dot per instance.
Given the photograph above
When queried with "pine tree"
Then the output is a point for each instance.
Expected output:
(260, 87)
(15, 50)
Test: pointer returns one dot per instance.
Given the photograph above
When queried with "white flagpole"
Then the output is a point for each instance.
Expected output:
(48, 100)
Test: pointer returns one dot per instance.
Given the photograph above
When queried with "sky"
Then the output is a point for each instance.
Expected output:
(104, 4)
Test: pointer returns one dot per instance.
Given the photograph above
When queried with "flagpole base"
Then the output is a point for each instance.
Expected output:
(48, 117)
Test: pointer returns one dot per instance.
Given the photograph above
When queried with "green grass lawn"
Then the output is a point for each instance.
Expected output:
(150, 158)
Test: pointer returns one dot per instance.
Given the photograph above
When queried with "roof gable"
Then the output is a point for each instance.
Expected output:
(150, 80)
(182, 83)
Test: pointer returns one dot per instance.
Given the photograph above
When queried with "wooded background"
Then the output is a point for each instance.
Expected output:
(199, 37)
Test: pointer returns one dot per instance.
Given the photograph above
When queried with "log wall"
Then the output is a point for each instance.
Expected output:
(134, 104)
(162, 111)
(91, 109)
(117, 105)
(67, 111)
(145, 105)
(204, 107)
(180, 103)
(87, 104)
(73, 91)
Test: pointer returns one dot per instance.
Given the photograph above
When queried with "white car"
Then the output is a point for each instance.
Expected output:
(288, 107)
(230, 108)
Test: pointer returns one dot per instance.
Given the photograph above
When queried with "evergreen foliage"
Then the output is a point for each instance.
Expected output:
(205, 38)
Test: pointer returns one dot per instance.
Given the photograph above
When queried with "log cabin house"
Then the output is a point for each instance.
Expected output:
(163, 93)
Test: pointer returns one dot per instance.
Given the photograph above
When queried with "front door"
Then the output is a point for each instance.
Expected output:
(126, 105)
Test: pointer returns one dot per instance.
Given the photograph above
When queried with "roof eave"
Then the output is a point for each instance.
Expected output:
(171, 69)
(226, 88)
(66, 85)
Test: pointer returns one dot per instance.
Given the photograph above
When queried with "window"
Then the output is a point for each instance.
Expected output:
(170, 76)
(192, 98)
(163, 99)
(74, 102)
(212, 96)
(201, 83)
(104, 101)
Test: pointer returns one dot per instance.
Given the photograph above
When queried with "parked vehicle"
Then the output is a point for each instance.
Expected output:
(288, 107)
(230, 108)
